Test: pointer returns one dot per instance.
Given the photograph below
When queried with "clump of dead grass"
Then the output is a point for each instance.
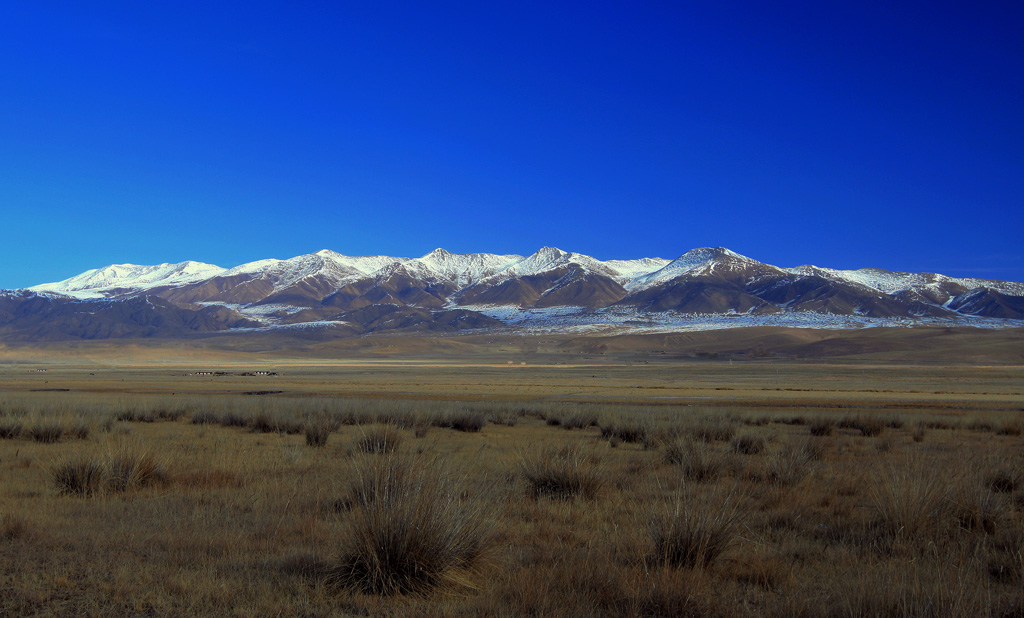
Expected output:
(382, 439)
(699, 461)
(746, 444)
(129, 470)
(124, 470)
(791, 463)
(13, 527)
(867, 424)
(1004, 479)
(470, 421)
(78, 477)
(1010, 428)
(565, 473)
(713, 430)
(47, 431)
(628, 432)
(10, 430)
(317, 434)
(580, 420)
(909, 495)
(205, 417)
(822, 426)
(694, 530)
(410, 531)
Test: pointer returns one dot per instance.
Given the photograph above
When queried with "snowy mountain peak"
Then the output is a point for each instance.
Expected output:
(437, 254)
(441, 276)
(707, 254)
(549, 253)
(107, 281)
(699, 261)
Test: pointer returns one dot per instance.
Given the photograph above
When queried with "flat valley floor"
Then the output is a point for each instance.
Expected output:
(507, 478)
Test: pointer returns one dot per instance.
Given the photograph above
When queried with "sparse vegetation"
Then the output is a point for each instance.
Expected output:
(467, 420)
(197, 512)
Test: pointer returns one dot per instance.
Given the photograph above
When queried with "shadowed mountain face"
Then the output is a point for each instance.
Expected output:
(445, 292)
(32, 317)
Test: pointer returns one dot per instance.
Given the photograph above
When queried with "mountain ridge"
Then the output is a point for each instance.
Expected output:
(448, 292)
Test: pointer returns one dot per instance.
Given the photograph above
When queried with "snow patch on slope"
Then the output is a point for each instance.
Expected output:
(629, 320)
(890, 282)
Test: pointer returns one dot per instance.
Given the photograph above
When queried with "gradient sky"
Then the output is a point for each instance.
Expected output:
(887, 134)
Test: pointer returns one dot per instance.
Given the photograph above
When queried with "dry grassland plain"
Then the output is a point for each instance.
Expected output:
(577, 484)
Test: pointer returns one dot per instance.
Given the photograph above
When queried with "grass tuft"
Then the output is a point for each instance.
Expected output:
(696, 530)
(747, 445)
(47, 432)
(412, 534)
(317, 434)
(12, 527)
(909, 495)
(383, 439)
(566, 473)
(79, 477)
(1004, 480)
(791, 463)
(713, 430)
(630, 433)
(9, 431)
(698, 460)
(822, 426)
(129, 470)
(470, 421)
(205, 418)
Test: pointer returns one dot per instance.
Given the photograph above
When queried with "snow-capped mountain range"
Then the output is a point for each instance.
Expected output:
(442, 291)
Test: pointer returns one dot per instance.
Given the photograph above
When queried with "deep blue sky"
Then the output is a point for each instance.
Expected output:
(851, 134)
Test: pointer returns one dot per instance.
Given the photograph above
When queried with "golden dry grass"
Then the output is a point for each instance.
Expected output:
(240, 516)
